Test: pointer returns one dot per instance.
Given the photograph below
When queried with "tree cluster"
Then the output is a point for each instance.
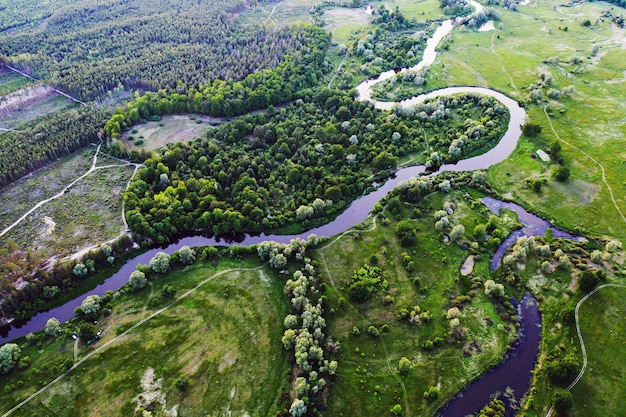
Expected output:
(43, 284)
(304, 335)
(303, 162)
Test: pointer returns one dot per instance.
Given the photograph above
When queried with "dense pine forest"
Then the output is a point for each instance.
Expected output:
(89, 49)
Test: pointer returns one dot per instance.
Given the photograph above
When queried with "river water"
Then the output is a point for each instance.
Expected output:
(510, 380)
(533, 226)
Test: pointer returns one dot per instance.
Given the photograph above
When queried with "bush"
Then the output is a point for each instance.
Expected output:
(160, 263)
(86, 331)
(404, 366)
(9, 357)
(562, 399)
(186, 255)
(364, 282)
(137, 280)
(372, 330)
(531, 130)
(431, 393)
(406, 232)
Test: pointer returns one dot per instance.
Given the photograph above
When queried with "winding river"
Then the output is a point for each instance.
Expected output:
(358, 211)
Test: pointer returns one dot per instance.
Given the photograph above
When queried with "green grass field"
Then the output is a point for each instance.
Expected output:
(589, 121)
(225, 337)
(87, 214)
(368, 381)
(175, 128)
(603, 327)
(11, 81)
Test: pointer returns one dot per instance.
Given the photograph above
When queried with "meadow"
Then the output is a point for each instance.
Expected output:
(87, 214)
(588, 123)
(220, 337)
(369, 380)
(172, 128)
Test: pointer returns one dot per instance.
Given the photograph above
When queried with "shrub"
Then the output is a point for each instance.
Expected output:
(562, 399)
(431, 393)
(160, 263)
(137, 280)
(404, 366)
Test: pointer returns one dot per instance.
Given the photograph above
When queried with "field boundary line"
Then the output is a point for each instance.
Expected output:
(55, 89)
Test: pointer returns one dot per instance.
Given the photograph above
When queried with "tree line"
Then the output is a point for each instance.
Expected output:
(229, 97)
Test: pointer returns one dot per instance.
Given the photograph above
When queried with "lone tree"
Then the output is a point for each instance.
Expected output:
(86, 331)
(53, 327)
(90, 306)
(160, 263)
(9, 356)
(186, 255)
(137, 280)
(562, 399)
(531, 130)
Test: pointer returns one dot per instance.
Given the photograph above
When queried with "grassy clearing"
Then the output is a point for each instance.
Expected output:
(22, 195)
(89, 213)
(603, 329)
(223, 336)
(175, 128)
(420, 10)
(47, 105)
(368, 381)
(11, 81)
(590, 119)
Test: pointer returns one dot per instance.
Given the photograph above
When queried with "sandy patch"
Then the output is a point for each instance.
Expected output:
(537, 282)
(487, 26)
(544, 156)
(20, 283)
(619, 37)
(227, 361)
(340, 16)
(468, 266)
(51, 225)
(23, 98)
(153, 394)
(264, 277)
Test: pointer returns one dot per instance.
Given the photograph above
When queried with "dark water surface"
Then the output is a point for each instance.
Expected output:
(510, 380)
(533, 226)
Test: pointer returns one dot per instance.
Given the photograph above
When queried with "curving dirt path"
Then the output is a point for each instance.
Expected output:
(272, 13)
(580, 337)
(545, 111)
(116, 338)
(94, 167)
(493, 50)
(336, 72)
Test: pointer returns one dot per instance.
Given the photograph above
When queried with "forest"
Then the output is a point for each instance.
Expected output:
(46, 139)
(88, 49)
(301, 163)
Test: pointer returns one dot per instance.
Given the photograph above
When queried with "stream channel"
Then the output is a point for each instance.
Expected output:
(513, 372)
